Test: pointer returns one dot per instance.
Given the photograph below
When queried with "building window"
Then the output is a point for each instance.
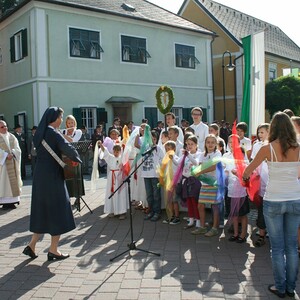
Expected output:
(272, 71)
(85, 43)
(89, 118)
(18, 46)
(185, 57)
(134, 50)
(177, 111)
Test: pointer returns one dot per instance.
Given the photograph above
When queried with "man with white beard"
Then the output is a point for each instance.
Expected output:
(10, 161)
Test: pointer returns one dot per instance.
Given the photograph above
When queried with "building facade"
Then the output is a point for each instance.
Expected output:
(231, 26)
(99, 60)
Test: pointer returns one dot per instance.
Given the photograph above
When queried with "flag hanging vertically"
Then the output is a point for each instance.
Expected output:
(253, 106)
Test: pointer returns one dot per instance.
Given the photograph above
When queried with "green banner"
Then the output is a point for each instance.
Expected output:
(247, 79)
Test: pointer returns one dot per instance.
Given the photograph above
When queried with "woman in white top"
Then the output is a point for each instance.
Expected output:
(281, 205)
(71, 133)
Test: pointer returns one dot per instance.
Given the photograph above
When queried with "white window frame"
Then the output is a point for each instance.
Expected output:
(18, 46)
(191, 59)
(126, 51)
(90, 119)
(77, 45)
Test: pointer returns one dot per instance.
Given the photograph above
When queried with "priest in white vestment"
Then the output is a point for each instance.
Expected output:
(10, 161)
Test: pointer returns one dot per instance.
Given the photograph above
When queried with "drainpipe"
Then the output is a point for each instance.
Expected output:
(212, 73)
(235, 88)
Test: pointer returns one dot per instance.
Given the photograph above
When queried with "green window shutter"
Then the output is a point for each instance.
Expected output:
(151, 116)
(186, 113)
(77, 116)
(24, 43)
(204, 117)
(12, 49)
(16, 120)
(101, 115)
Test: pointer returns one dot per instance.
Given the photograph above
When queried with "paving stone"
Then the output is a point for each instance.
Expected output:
(190, 267)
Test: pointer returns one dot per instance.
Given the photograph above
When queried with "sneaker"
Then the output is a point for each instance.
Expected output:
(199, 230)
(148, 216)
(175, 221)
(212, 232)
(168, 221)
(155, 217)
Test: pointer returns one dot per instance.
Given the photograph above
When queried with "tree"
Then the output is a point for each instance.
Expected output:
(7, 5)
(282, 93)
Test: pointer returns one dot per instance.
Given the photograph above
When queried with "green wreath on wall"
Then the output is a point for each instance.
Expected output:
(164, 105)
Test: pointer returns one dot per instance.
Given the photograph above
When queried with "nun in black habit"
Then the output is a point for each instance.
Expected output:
(51, 210)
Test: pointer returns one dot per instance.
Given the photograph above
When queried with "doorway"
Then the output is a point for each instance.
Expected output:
(124, 112)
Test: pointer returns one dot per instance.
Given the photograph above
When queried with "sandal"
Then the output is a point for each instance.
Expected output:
(260, 241)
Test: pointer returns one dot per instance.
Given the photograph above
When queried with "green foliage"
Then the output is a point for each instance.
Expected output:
(282, 93)
(7, 5)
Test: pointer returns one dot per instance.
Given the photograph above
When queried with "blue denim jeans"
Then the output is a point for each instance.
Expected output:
(153, 194)
(282, 221)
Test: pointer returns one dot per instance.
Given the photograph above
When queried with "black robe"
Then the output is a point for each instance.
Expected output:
(51, 210)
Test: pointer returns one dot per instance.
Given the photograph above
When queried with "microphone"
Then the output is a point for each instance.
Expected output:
(149, 151)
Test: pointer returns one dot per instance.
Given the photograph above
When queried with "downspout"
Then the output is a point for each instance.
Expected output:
(213, 78)
(235, 88)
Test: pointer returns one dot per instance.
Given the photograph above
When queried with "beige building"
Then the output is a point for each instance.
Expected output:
(231, 26)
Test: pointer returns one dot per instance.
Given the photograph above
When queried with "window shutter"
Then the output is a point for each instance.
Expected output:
(12, 49)
(16, 120)
(77, 116)
(204, 117)
(186, 113)
(151, 116)
(24, 43)
(101, 115)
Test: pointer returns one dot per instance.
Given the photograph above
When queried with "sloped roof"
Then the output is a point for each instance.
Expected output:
(136, 9)
(238, 25)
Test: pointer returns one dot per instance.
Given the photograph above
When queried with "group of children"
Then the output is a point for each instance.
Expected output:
(180, 172)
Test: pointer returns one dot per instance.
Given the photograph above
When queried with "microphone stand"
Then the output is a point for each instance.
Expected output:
(132, 244)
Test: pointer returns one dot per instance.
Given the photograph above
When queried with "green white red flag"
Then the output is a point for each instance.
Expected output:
(253, 106)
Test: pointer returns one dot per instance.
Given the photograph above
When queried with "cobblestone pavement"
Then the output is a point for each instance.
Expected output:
(189, 267)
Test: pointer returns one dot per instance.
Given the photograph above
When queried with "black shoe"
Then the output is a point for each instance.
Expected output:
(241, 240)
(273, 290)
(8, 206)
(233, 238)
(52, 256)
(28, 251)
(290, 294)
